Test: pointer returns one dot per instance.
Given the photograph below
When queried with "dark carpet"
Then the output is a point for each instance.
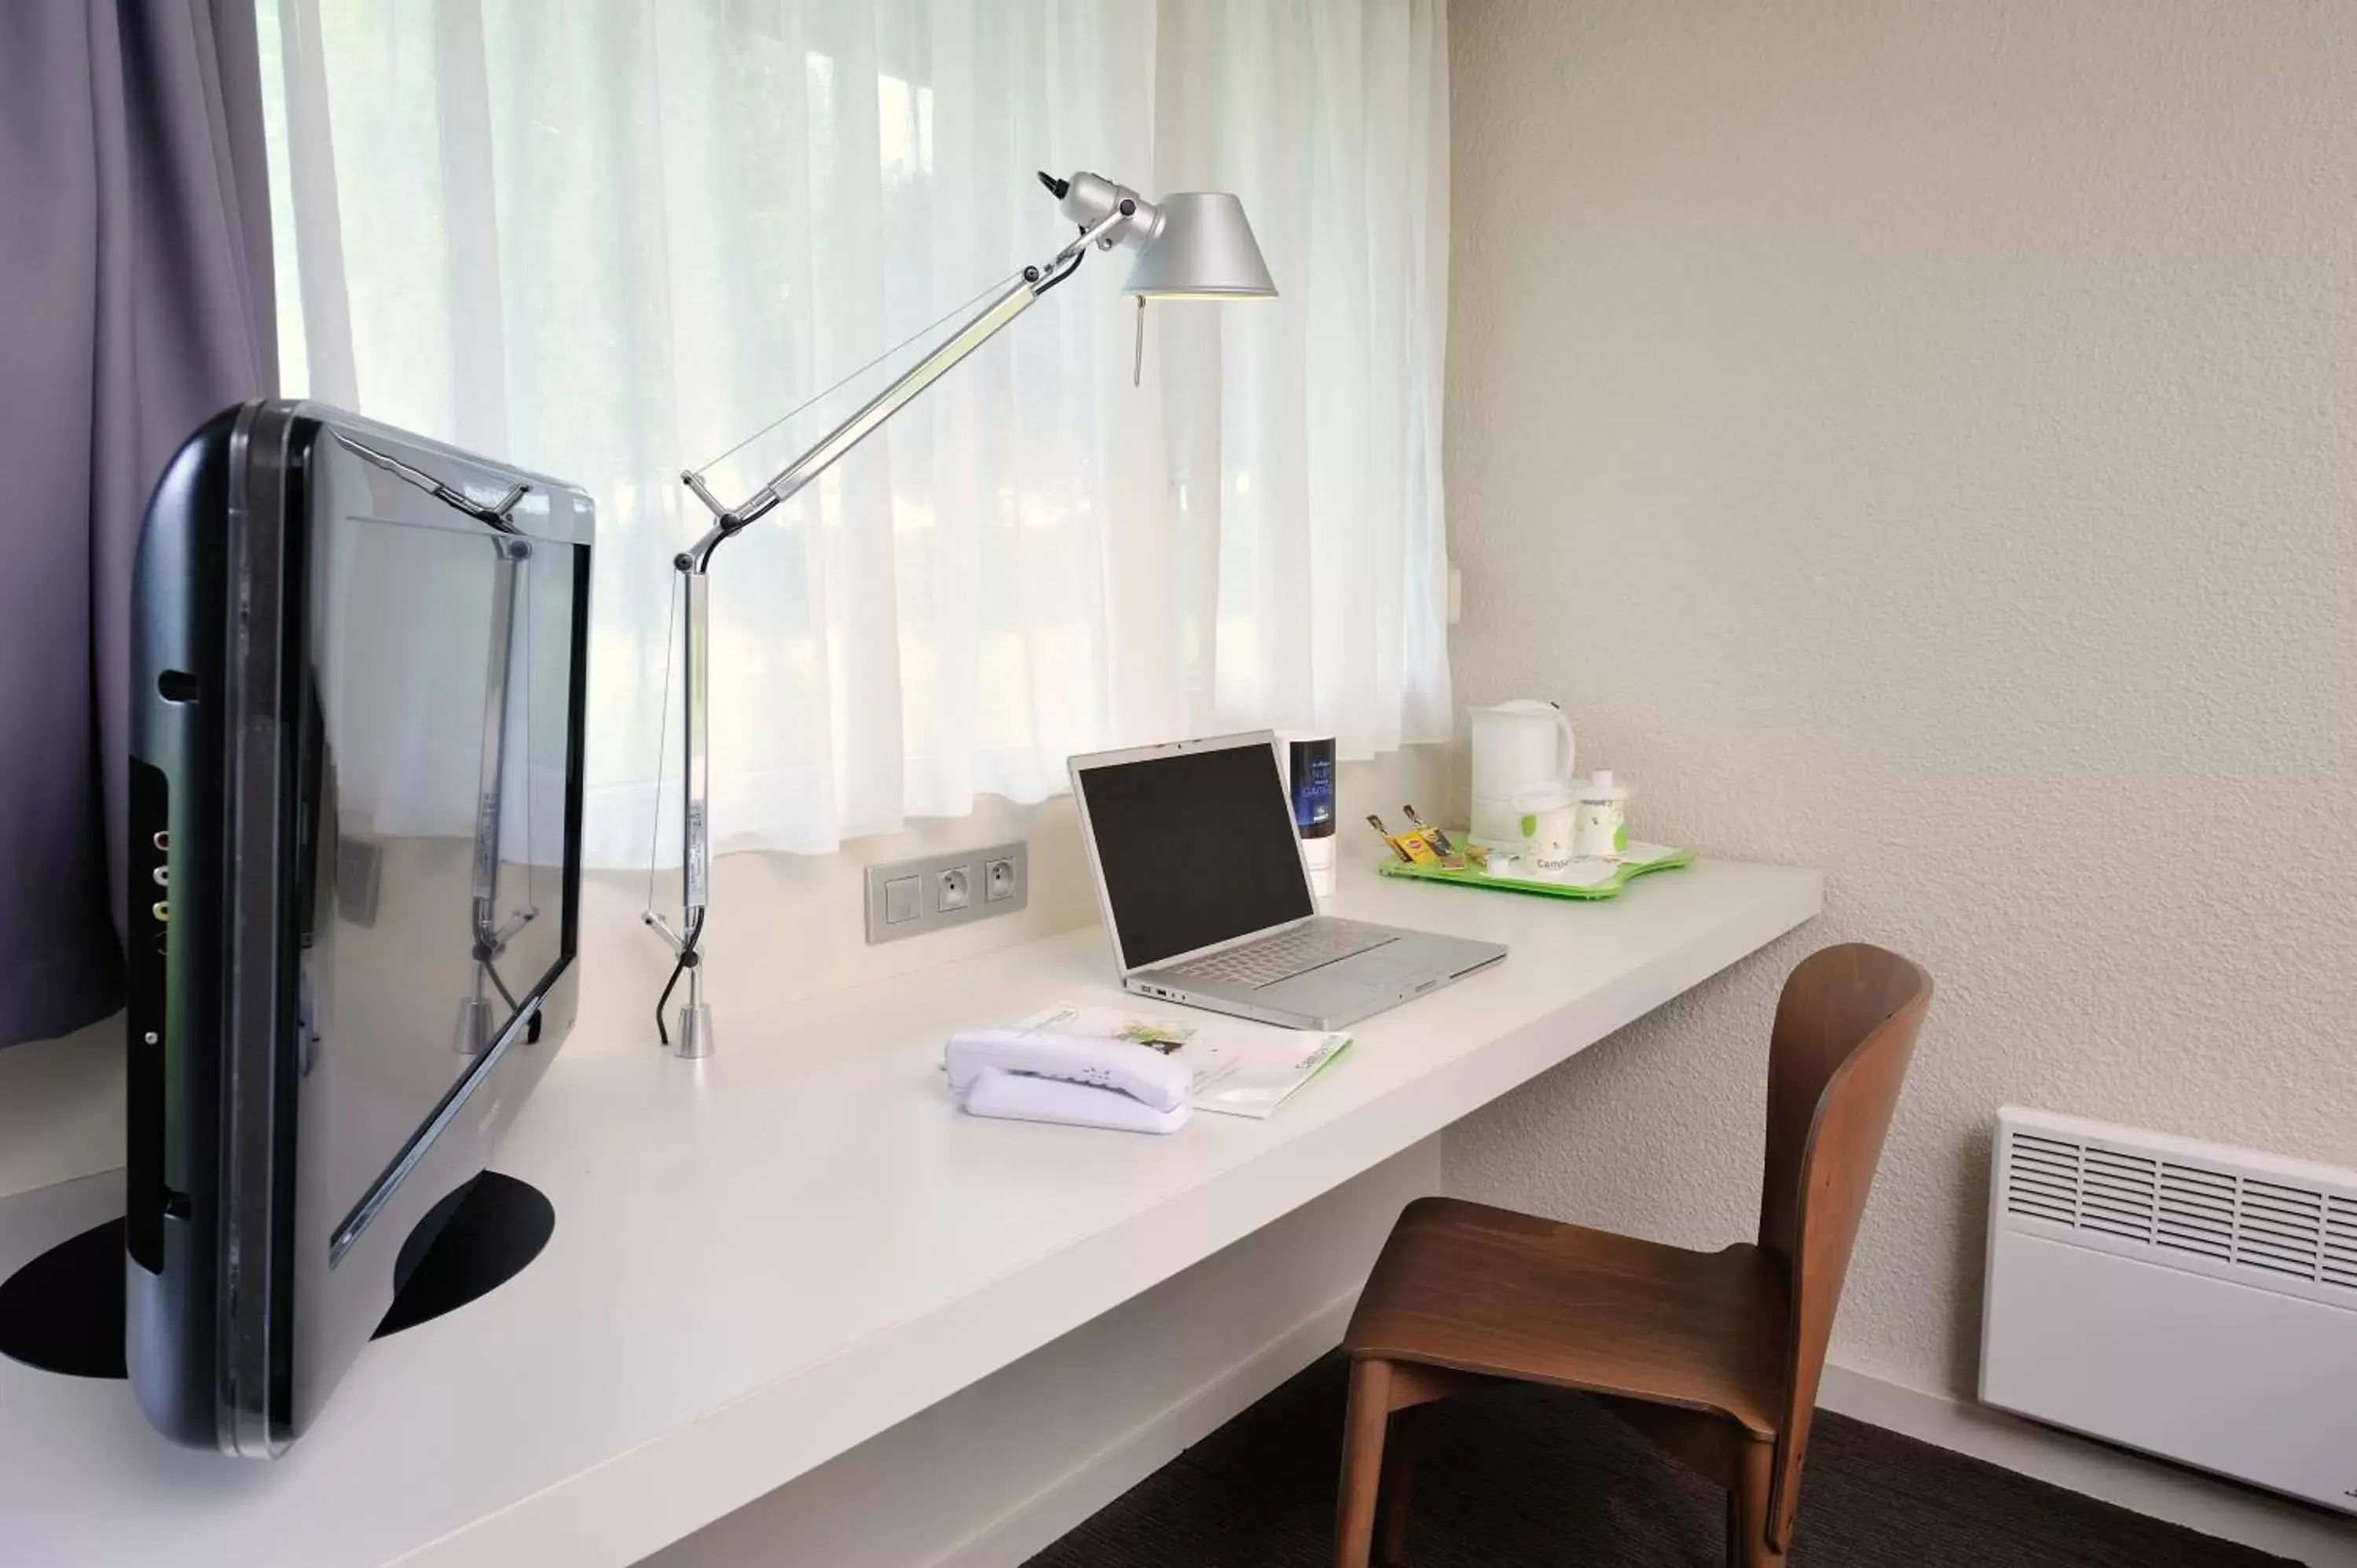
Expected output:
(1534, 1478)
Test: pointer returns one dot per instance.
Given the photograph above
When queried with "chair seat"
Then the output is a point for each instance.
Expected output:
(1485, 1290)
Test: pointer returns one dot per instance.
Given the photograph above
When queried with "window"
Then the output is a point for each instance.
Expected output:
(609, 242)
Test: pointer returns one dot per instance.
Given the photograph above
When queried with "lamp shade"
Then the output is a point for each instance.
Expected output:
(1205, 251)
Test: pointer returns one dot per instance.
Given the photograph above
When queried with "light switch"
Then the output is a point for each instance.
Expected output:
(900, 900)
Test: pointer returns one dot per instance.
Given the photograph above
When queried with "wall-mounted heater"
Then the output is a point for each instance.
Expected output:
(2192, 1300)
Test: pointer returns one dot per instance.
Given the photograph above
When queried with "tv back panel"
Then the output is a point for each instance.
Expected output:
(359, 665)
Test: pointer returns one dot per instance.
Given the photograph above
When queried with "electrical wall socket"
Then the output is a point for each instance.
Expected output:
(911, 898)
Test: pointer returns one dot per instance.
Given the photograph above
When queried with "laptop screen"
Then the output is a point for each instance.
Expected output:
(1195, 848)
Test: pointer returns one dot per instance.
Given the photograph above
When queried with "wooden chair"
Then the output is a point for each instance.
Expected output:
(1715, 1356)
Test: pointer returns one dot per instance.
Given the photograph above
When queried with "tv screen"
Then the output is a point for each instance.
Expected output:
(359, 660)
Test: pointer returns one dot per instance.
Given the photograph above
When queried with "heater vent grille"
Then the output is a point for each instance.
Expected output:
(2262, 1228)
(2044, 1179)
(2339, 1262)
(2197, 1212)
(2118, 1194)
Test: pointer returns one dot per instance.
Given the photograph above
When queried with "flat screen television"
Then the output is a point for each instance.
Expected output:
(359, 661)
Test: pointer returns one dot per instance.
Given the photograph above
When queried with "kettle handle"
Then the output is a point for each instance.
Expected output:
(1570, 748)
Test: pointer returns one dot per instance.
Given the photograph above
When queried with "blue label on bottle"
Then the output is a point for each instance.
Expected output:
(1313, 787)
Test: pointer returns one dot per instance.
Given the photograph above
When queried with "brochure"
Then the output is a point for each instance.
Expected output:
(1241, 1069)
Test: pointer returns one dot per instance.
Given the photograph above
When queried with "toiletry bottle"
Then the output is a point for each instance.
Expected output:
(1308, 761)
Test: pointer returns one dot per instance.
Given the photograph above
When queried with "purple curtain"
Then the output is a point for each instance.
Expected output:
(134, 303)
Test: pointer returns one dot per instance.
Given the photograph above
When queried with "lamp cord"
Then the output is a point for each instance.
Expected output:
(499, 985)
(687, 956)
(825, 392)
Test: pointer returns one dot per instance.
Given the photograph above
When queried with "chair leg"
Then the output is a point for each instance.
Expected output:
(1362, 1462)
(1399, 1460)
(1747, 1511)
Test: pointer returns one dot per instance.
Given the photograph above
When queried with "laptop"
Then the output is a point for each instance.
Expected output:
(1198, 874)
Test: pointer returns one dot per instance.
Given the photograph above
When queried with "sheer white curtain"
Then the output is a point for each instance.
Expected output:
(608, 241)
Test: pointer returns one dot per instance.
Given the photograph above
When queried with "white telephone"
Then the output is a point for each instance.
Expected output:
(1027, 1077)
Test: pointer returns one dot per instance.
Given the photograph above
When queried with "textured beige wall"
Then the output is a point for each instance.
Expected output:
(1920, 441)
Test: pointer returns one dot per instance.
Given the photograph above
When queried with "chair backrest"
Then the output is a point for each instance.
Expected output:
(1845, 1027)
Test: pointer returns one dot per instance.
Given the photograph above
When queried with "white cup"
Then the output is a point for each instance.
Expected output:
(1549, 817)
(1601, 813)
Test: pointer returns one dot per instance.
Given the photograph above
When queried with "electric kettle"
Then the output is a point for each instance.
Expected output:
(1517, 747)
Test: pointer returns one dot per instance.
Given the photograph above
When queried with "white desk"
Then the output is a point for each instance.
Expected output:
(765, 1259)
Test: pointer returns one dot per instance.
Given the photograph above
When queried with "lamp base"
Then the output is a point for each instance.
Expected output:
(473, 1036)
(694, 1040)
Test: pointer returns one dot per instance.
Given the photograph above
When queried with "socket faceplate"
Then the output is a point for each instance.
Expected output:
(996, 880)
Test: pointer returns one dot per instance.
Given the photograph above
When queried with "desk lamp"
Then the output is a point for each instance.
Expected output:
(1191, 245)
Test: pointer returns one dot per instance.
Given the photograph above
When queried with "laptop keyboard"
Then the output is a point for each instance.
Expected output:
(1283, 957)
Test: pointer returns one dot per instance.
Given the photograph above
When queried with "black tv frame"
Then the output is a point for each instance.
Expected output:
(245, 1301)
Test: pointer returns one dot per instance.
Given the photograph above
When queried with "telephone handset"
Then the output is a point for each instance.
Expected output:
(1031, 1077)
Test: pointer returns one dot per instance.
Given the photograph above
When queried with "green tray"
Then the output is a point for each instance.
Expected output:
(1607, 886)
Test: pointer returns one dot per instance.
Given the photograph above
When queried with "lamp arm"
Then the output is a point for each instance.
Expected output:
(980, 328)
(693, 566)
